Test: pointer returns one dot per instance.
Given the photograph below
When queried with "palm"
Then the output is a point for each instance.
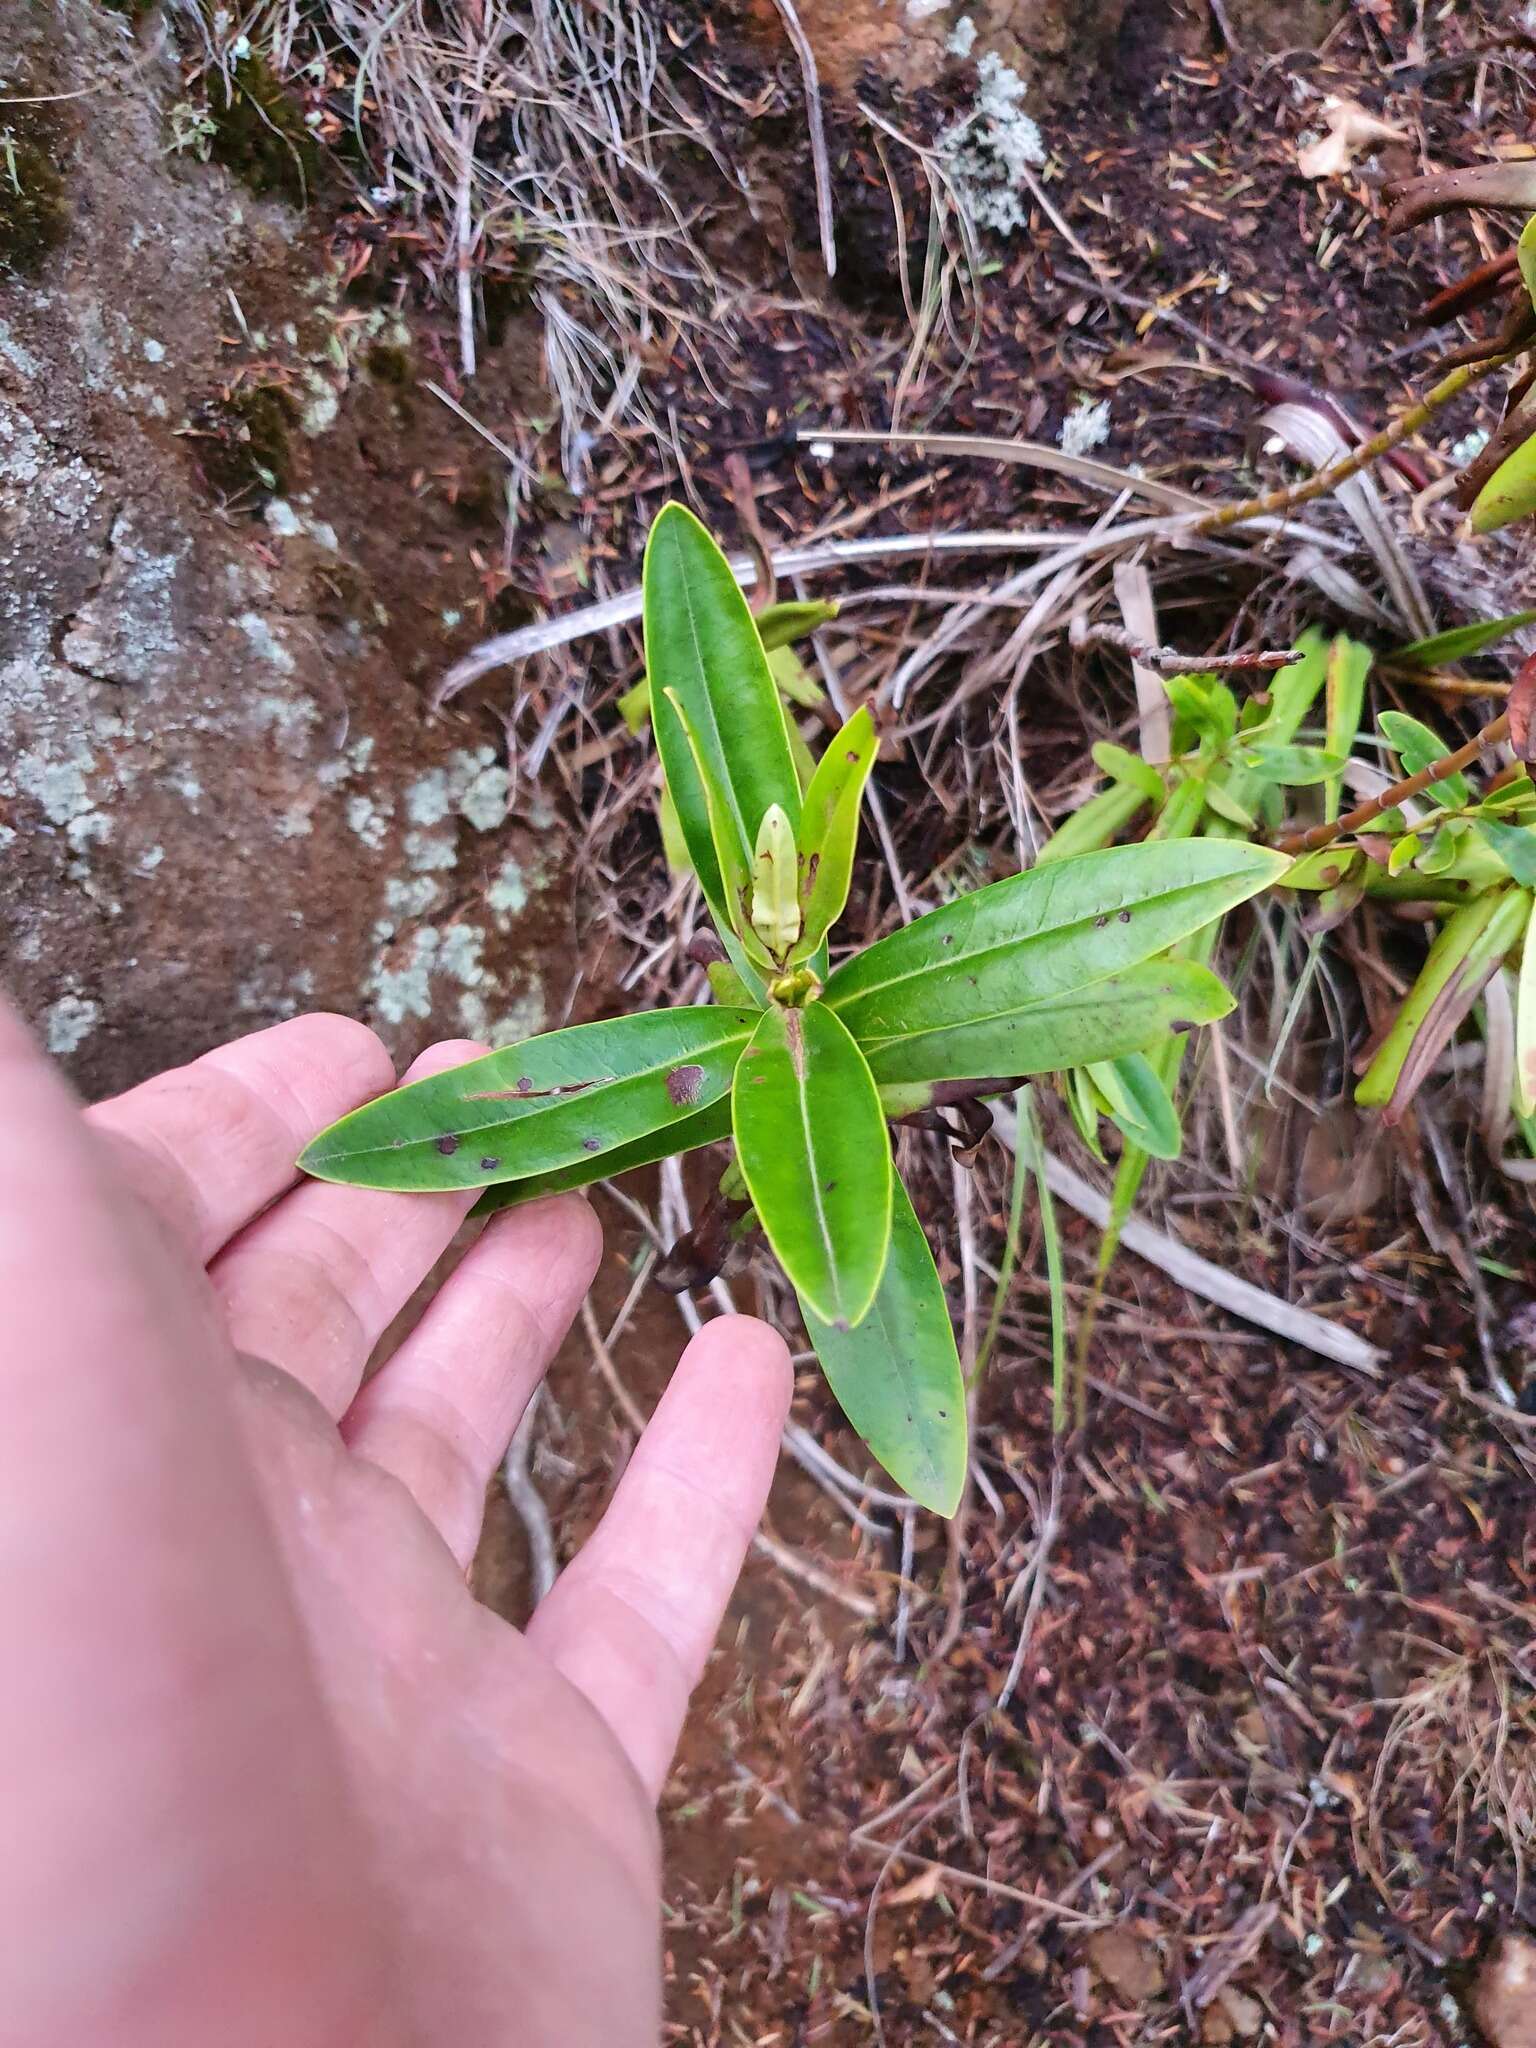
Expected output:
(401, 1820)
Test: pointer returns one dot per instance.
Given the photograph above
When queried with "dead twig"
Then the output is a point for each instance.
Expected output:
(528, 1503)
(817, 127)
(1398, 792)
(1290, 496)
(1214, 1283)
(1169, 661)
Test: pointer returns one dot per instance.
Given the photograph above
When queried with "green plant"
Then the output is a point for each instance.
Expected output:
(803, 1066)
(1498, 486)
(1429, 844)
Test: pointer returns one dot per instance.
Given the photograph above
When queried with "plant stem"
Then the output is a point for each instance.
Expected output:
(1010, 1259)
(1441, 680)
(1326, 480)
(1412, 785)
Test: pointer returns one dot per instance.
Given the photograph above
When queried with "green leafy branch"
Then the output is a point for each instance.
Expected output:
(1071, 965)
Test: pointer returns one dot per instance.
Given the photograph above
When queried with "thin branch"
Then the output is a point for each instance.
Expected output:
(1169, 661)
(528, 1503)
(1398, 792)
(1326, 480)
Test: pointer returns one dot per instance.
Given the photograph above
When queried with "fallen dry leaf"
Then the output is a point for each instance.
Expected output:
(917, 1890)
(1351, 127)
(1126, 1963)
(1245, 2014)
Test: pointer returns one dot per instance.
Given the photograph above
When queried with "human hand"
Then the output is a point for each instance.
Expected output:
(274, 1779)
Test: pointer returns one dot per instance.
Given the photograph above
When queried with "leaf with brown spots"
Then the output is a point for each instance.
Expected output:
(570, 1099)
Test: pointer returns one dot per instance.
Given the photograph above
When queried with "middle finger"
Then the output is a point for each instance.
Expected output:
(312, 1285)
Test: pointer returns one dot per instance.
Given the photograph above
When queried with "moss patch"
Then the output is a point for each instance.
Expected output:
(34, 209)
(389, 364)
(244, 442)
(259, 135)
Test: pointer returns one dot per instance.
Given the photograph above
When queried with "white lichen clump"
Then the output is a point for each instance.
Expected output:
(962, 37)
(69, 1022)
(989, 152)
(1085, 427)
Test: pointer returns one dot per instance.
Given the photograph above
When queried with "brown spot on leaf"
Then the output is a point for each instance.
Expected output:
(489, 1165)
(447, 1144)
(591, 1144)
(684, 1085)
(1125, 917)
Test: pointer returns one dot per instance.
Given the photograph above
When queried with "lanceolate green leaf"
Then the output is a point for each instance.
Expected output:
(684, 791)
(1180, 816)
(829, 826)
(1045, 933)
(1093, 824)
(1294, 767)
(1510, 493)
(569, 1098)
(1516, 847)
(704, 1127)
(1140, 1105)
(1122, 766)
(701, 642)
(1046, 1035)
(1461, 642)
(1418, 747)
(1293, 690)
(813, 1148)
(1349, 663)
(731, 883)
(897, 1374)
(1471, 947)
(777, 625)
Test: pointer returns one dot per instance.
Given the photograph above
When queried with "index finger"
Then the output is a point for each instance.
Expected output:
(209, 1145)
(630, 1622)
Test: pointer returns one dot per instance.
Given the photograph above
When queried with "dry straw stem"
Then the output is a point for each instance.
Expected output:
(1213, 1283)
(817, 127)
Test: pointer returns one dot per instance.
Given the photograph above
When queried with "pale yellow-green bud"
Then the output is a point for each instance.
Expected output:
(775, 896)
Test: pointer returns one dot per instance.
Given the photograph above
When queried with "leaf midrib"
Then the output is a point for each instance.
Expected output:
(873, 1046)
(722, 764)
(836, 998)
(800, 1069)
(544, 1106)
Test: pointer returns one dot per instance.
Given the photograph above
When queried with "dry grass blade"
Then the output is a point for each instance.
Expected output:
(1213, 1283)
(1309, 433)
(1104, 476)
(1133, 594)
(817, 126)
